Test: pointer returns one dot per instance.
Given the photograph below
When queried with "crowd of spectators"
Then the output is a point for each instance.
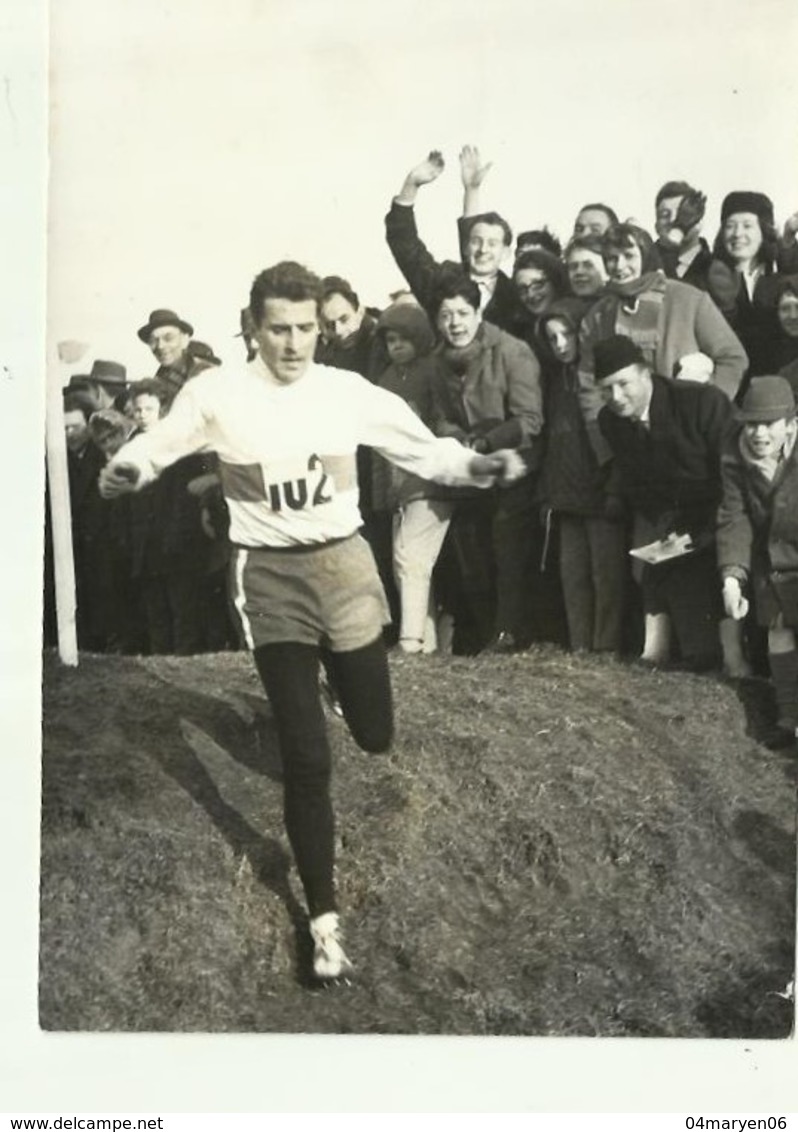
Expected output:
(635, 374)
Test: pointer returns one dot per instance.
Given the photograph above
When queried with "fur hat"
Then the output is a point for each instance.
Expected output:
(615, 353)
(161, 318)
(411, 322)
(768, 398)
(744, 201)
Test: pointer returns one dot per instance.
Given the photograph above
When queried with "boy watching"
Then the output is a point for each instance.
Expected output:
(758, 533)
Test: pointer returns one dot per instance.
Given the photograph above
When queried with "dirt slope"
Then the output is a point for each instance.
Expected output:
(553, 846)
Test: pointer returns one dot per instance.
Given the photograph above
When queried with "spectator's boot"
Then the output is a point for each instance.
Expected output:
(784, 674)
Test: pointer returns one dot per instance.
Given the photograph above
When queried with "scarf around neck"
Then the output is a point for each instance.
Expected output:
(648, 281)
(638, 311)
(459, 358)
(767, 465)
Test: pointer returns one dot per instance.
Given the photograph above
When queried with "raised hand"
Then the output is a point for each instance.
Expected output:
(690, 211)
(472, 170)
(427, 170)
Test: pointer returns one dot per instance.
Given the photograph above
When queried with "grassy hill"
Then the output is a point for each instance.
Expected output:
(555, 845)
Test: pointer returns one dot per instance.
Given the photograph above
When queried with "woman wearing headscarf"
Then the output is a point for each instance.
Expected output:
(592, 559)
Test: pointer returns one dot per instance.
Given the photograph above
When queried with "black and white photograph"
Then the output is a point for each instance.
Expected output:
(320, 280)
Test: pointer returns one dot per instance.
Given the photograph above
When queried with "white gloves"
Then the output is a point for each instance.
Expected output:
(695, 367)
(734, 603)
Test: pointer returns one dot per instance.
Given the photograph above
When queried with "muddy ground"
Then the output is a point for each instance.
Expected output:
(554, 846)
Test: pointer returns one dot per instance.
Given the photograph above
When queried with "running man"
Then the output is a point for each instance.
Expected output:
(286, 431)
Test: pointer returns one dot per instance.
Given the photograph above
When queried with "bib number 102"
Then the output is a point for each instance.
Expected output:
(293, 495)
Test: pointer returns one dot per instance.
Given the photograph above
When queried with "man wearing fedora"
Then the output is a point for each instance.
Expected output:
(758, 534)
(106, 384)
(666, 438)
(169, 337)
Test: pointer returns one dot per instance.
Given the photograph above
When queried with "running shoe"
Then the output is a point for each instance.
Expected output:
(330, 961)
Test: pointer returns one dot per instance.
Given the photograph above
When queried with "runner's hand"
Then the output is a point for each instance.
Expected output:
(118, 479)
(505, 466)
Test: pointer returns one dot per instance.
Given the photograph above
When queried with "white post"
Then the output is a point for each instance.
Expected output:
(61, 520)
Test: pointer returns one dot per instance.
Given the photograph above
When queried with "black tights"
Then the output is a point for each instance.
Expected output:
(290, 674)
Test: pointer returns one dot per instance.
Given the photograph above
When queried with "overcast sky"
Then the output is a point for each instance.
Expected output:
(194, 143)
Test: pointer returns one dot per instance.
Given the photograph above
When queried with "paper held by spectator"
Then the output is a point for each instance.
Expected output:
(674, 546)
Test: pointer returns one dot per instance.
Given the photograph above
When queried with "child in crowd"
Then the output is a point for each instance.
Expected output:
(593, 534)
(758, 533)
(420, 517)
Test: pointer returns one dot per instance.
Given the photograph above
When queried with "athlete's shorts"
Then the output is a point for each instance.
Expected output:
(329, 595)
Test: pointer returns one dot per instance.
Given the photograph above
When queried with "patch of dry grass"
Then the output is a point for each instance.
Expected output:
(555, 845)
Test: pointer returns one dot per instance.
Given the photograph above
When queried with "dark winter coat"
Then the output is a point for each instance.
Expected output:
(758, 518)
(364, 355)
(159, 529)
(670, 472)
(90, 548)
(752, 318)
(495, 395)
(571, 480)
(758, 529)
(423, 274)
(698, 270)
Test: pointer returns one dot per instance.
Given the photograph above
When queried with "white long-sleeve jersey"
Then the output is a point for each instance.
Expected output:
(287, 452)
